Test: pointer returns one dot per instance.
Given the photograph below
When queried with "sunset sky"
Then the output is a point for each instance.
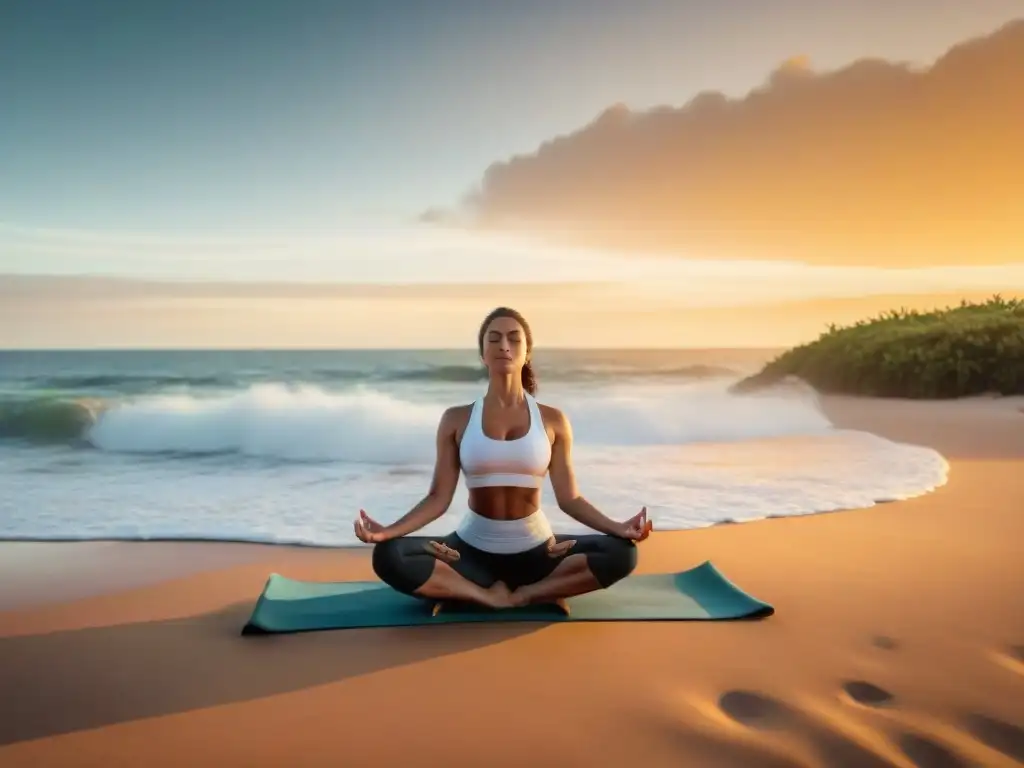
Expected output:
(272, 142)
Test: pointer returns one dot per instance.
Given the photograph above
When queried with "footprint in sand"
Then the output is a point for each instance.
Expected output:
(1011, 657)
(867, 694)
(925, 753)
(756, 710)
(996, 734)
(885, 643)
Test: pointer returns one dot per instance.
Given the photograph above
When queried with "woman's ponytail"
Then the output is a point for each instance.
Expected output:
(529, 379)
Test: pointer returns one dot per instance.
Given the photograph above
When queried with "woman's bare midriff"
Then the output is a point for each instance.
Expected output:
(504, 503)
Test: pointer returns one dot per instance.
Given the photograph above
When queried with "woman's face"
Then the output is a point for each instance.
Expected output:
(504, 345)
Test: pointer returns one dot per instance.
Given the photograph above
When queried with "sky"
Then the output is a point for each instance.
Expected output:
(259, 141)
(77, 312)
(228, 115)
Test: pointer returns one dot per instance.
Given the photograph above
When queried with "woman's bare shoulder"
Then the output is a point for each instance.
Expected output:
(554, 418)
(455, 418)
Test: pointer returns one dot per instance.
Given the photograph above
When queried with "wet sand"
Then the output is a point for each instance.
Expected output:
(898, 639)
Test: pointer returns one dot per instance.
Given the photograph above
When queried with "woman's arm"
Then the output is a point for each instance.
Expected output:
(442, 485)
(563, 480)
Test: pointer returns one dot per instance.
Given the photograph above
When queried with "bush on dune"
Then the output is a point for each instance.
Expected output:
(959, 351)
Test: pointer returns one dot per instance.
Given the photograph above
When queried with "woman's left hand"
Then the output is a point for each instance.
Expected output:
(637, 528)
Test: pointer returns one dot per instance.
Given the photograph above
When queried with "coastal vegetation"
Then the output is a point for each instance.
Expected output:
(970, 349)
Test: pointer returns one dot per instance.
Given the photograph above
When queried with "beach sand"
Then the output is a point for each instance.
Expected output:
(898, 639)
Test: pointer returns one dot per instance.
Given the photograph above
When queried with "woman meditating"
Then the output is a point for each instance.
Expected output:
(503, 554)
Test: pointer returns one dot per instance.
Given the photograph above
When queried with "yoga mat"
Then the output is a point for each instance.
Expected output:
(701, 593)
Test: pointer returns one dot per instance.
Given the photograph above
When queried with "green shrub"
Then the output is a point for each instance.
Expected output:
(954, 352)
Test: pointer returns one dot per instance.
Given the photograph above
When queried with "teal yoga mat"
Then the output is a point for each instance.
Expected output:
(699, 594)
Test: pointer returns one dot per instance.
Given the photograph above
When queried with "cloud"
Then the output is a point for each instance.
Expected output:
(677, 283)
(370, 254)
(877, 163)
(29, 288)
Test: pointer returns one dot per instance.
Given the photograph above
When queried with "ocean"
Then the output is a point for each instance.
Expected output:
(287, 446)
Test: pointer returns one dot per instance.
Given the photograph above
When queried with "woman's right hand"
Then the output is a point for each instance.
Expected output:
(443, 552)
(369, 530)
(637, 528)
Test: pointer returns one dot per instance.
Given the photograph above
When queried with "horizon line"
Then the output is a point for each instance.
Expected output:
(537, 348)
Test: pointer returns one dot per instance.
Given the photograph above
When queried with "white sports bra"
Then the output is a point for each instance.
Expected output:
(522, 462)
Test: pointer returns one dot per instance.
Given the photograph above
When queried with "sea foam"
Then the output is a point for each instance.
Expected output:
(308, 423)
(295, 463)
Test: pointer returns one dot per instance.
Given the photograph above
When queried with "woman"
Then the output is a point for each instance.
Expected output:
(503, 554)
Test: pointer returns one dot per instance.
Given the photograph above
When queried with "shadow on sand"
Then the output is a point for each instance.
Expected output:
(87, 678)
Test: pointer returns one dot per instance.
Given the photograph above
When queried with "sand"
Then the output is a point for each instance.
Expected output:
(898, 640)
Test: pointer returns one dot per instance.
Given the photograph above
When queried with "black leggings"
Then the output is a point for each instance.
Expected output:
(407, 562)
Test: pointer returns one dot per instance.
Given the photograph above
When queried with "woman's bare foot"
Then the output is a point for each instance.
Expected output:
(496, 596)
(519, 598)
(499, 595)
(522, 597)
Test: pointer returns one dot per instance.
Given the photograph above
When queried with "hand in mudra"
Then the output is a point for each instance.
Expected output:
(637, 528)
(369, 530)
(443, 551)
(560, 549)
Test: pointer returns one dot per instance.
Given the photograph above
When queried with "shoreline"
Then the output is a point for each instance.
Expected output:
(83, 574)
(898, 640)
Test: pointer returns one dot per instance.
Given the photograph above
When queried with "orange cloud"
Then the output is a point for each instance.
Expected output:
(873, 164)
